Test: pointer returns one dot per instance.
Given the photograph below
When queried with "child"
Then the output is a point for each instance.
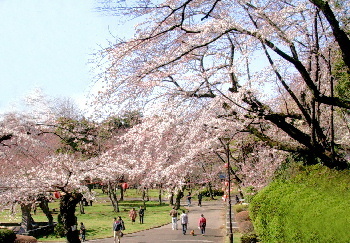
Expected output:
(133, 215)
(82, 231)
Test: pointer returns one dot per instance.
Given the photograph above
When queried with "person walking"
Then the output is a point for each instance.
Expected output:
(237, 199)
(202, 223)
(200, 196)
(133, 215)
(117, 229)
(184, 221)
(82, 231)
(122, 222)
(141, 214)
(173, 213)
(189, 197)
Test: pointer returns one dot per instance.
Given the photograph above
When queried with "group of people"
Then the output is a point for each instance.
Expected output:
(133, 214)
(118, 223)
(189, 198)
(202, 222)
(118, 226)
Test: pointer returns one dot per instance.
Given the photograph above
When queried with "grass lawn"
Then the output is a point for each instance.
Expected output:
(236, 238)
(98, 218)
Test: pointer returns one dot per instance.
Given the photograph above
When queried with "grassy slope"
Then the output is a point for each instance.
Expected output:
(311, 207)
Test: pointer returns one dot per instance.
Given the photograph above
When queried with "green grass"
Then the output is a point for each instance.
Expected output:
(98, 219)
(236, 238)
(132, 193)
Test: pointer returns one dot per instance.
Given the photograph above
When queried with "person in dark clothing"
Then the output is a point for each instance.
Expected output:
(118, 226)
(141, 214)
(85, 202)
(189, 197)
(200, 199)
(237, 199)
(82, 231)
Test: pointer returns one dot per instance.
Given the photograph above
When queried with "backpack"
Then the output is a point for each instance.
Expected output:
(202, 222)
(117, 226)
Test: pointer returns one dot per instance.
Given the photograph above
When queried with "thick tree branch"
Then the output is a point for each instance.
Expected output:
(296, 100)
(275, 144)
(211, 10)
(339, 34)
(322, 151)
(5, 137)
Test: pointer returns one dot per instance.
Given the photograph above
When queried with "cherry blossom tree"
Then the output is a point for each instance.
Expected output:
(193, 51)
(22, 147)
(32, 170)
(174, 150)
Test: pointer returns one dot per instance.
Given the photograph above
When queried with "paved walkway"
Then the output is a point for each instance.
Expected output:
(214, 212)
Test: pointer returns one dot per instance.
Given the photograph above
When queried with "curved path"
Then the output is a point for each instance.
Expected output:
(214, 211)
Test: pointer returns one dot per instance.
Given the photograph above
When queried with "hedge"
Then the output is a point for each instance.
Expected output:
(7, 236)
(313, 206)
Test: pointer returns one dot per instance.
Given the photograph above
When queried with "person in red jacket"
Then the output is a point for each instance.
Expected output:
(202, 223)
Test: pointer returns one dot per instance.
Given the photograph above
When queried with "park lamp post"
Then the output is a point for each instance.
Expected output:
(228, 167)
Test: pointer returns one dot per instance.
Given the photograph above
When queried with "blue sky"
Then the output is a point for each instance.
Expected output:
(47, 44)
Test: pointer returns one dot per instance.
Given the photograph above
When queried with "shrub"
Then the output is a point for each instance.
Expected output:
(249, 197)
(249, 238)
(242, 216)
(25, 239)
(239, 208)
(59, 228)
(216, 192)
(246, 227)
(312, 206)
(7, 236)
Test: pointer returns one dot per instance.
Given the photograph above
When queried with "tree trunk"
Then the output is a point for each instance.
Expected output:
(113, 197)
(44, 205)
(339, 34)
(171, 199)
(27, 220)
(144, 198)
(121, 192)
(179, 195)
(104, 189)
(81, 207)
(210, 189)
(68, 204)
(160, 195)
(332, 119)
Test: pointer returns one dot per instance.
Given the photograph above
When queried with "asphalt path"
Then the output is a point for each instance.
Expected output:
(214, 212)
